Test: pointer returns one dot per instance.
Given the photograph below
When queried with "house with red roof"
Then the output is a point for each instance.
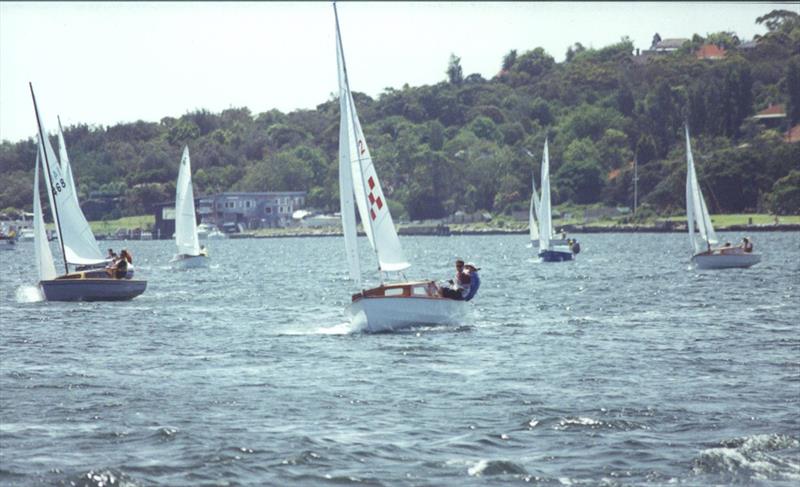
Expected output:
(772, 116)
(710, 51)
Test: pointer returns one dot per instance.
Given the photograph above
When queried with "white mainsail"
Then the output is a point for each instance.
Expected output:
(369, 197)
(185, 219)
(44, 257)
(533, 216)
(66, 167)
(545, 217)
(696, 210)
(80, 246)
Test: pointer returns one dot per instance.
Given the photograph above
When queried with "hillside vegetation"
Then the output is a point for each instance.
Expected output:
(468, 143)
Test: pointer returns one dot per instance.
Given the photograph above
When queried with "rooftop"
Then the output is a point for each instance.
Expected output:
(710, 51)
(772, 111)
(669, 44)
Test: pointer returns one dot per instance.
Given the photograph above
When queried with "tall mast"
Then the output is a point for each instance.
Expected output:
(340, 47)
(50, 178)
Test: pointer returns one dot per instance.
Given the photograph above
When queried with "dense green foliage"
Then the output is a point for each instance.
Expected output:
(470, 144)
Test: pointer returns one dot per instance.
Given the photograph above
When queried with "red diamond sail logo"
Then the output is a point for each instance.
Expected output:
(373, 200)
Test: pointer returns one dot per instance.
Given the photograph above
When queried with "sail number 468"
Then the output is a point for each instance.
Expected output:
(59, 186)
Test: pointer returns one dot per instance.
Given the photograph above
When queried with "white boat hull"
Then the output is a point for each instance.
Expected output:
(189, 261)
(725, 261)
(382, 314)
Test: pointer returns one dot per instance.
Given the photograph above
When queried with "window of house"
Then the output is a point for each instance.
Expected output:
(267, 210)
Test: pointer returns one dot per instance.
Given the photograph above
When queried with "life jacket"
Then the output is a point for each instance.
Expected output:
(475, 284)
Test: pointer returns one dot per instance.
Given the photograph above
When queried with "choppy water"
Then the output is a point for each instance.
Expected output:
(621, 368)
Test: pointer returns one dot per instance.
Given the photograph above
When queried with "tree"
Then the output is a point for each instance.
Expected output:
(656, 40)
(574, 50)
(777, 19)
(785, 197)
(580, 178)
(509, 60)
(793, 90)
(455, 74)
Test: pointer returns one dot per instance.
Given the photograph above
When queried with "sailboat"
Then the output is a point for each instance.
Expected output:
(395, 305)
(705, 256)
(533, 217)
(550, 249)
(190, 254)
(78, 245)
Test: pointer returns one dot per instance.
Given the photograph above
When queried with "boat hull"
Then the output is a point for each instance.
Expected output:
(555, 255)
(384, 313)
(92, 289)
(725, 261)
(189, 261)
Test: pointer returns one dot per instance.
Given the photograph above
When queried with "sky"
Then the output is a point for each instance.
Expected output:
(106, 63)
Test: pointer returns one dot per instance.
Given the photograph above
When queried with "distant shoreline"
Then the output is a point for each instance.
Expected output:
(570, 229)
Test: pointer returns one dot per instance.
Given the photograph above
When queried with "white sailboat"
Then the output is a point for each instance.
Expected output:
(550, 249)
(78, 245)
(533, 217)
(190, 254)
(705, 256)
(390, 306)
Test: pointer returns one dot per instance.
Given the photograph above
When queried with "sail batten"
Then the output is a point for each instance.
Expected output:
(185, 217)
(368, 195)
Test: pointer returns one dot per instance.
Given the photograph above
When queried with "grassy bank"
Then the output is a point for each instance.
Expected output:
(144, 222)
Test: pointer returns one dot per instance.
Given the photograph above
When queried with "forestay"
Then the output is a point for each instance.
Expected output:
(696, 210)
(185, 219)
(44, 257)
(545, 218)
(80, 246)
(369, 197)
